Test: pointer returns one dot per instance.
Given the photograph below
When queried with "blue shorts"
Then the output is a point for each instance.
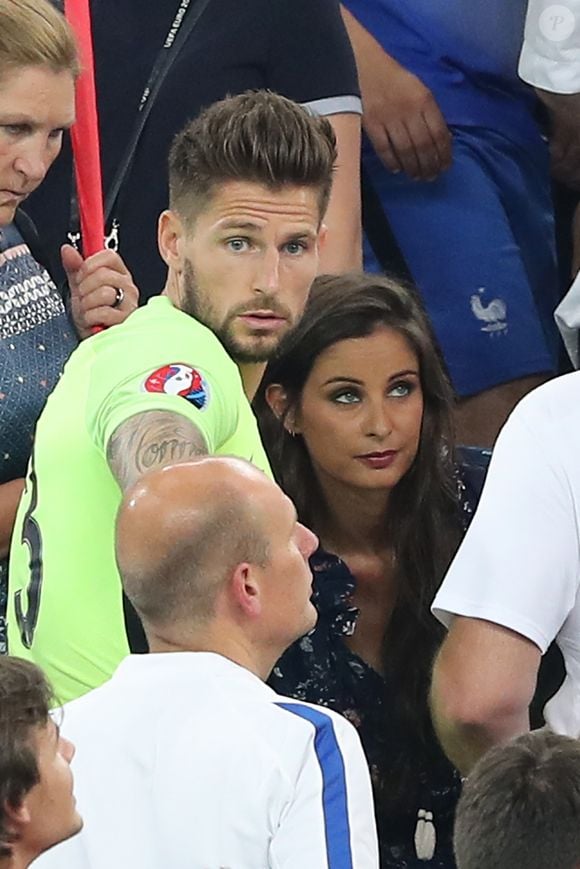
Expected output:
(479, 242)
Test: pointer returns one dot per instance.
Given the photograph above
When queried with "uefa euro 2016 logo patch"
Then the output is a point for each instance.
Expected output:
(179, 379)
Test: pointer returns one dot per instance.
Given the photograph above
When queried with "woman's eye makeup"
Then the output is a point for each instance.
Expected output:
(345, 396)
(401, 389)
(351, 395)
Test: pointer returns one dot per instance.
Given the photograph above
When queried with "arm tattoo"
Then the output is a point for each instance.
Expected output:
(151, 440)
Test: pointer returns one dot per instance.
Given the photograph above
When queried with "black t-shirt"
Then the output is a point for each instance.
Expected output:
(296, 47)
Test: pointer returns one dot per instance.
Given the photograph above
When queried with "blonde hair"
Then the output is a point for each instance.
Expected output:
(34, 33)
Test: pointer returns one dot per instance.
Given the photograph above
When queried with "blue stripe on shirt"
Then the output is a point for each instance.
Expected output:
(334, 802)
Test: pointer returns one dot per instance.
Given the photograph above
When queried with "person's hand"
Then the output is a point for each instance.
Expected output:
(400, 115)
(101, 287)
(403, 121)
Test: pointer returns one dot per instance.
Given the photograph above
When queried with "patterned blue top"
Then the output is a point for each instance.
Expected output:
(36, 339)
(320, 668)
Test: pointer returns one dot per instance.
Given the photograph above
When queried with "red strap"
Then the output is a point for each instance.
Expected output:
(85, 133)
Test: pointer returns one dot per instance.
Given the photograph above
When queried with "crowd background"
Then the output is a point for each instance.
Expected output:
(459, 161)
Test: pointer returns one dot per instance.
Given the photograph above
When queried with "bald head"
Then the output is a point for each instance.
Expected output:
(182, 530)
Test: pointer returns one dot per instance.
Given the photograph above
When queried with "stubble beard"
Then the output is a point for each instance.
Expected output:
(199, 307)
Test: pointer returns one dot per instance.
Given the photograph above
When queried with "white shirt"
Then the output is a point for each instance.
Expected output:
(189, 760)
(550, 57)
(519, 564)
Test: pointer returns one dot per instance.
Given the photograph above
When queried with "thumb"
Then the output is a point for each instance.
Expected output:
(72, 262)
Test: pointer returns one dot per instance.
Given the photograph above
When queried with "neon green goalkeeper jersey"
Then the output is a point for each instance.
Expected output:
(65, 600)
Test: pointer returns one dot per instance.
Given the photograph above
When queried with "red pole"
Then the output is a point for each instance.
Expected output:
(85, 134)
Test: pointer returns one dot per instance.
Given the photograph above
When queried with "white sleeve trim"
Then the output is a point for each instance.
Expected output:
(555, 76)
(550, 57)
(446, 611)
(344, 105)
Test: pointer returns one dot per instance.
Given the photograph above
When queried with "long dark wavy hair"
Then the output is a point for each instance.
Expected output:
(422, 520)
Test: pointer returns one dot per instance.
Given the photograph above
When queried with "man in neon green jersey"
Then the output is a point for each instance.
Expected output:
(249, 184)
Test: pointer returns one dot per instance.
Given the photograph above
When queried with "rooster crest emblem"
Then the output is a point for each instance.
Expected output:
(492, 316)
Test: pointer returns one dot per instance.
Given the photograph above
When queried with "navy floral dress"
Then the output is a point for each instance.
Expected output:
(320, 668)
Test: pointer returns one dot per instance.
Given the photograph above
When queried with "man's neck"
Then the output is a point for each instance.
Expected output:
(171, 291)
(234, 648)
(251, 374)
(353, 519)
(15, 861)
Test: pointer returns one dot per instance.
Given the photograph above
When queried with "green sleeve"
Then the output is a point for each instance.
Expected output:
(109, 407)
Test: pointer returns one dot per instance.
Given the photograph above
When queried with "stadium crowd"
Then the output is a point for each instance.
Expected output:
(289, 549)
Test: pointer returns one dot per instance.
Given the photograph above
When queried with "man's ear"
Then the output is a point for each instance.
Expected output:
(16, 817)
(278, 402)
(322, 236)
(245, 589)
(170, 234)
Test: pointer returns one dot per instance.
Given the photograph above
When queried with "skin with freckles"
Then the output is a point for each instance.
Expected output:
(36, 106)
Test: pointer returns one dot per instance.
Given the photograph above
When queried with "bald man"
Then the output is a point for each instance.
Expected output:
(185, 758)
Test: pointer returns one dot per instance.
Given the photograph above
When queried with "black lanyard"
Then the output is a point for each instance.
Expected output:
(177, 35)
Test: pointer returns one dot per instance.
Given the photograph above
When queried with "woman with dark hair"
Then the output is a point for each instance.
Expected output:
(361, 438)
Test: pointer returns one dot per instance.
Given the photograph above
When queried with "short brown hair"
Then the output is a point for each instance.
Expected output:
(25, 700)
(257, 136)
(520, 806)
(34, 33)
